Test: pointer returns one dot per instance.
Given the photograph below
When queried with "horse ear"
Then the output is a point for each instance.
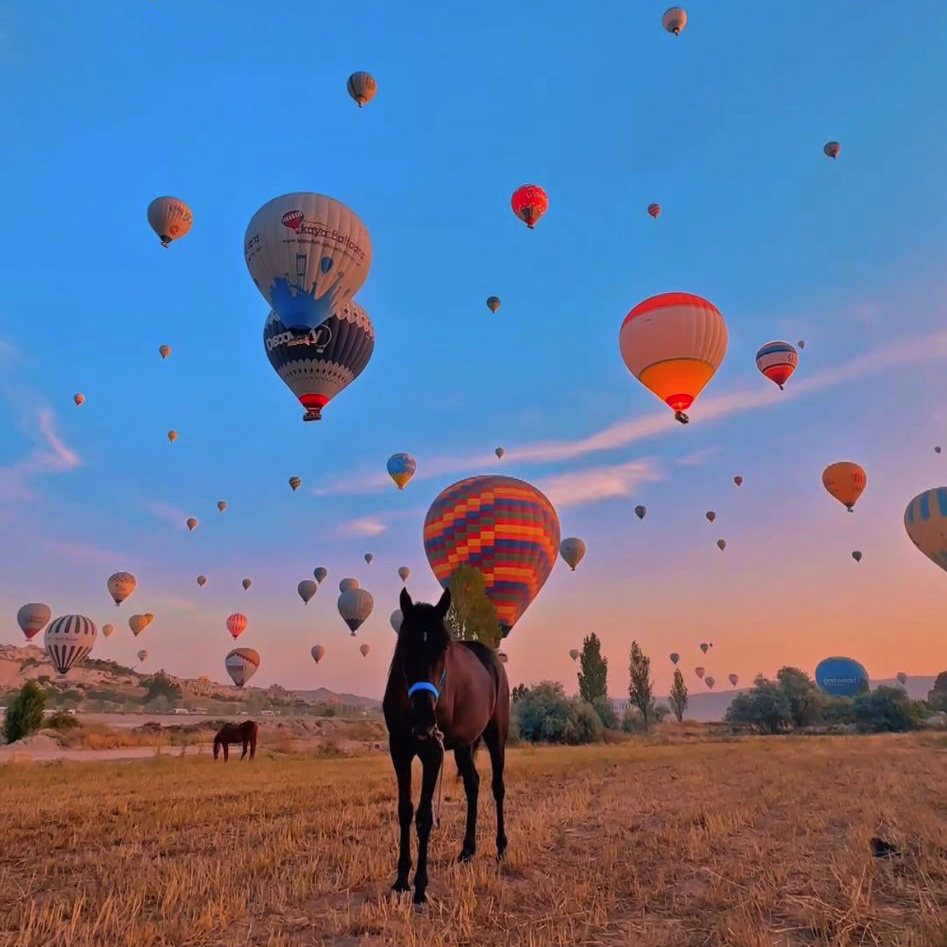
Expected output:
(443, 605)
(405, 602)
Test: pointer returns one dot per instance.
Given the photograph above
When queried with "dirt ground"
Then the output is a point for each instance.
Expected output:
(756, 842)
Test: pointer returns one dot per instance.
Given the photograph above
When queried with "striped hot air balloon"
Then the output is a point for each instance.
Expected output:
(777, 361)
(237, 624)
(925, 520)
(502, 526)
(673, 344)
(69, 640)
(242, 664)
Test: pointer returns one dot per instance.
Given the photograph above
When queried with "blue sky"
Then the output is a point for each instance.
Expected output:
(110, 104)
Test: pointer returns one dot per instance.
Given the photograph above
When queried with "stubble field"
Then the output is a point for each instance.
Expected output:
(746, 843)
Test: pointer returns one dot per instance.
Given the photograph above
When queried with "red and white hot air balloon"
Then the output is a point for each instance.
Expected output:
(529, 203)
(237, 624)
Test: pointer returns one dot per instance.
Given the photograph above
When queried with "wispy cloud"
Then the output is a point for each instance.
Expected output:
(81, 552)
(598, 483)
(367, 526)
(166, 512)
(50, 454)
(699, 456)
(59, 456)
(708, 408)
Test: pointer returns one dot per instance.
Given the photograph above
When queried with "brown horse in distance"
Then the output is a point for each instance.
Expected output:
(244, 733)
(442, 695)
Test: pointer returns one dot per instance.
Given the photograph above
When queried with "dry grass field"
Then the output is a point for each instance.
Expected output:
(746, 843)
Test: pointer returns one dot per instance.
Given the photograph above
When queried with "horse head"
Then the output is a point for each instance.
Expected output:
(422, 649)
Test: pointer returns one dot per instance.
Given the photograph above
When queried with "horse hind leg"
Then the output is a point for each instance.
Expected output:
(464, 755)
(497, 747)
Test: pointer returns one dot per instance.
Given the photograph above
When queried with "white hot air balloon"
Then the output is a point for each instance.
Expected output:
(33, 618)
(242, 664)
(307, 254)
(355, 605)
(396, 618)
(69, 640)
(170, 218)
(307, 589)
(572, 551)
(121, 585)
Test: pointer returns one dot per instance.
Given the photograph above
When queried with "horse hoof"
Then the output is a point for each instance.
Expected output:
(465, 856)
(419, 898)
(501, 854)
(399, 887)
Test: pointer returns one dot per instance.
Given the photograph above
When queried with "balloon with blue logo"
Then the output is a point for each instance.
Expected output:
(401, 468)
(307, 254)
(925, 520)
(841, 677)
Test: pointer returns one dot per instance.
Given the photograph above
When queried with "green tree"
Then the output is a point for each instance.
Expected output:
(161, 685)
(606, 713)
(678, 696)
(640, 686)
(806, 702)
(543, 713)
(885, 710)
(764, 707)
(593, 678)
(519, 692)
(472, 616)
(24, 713)
(937, 695)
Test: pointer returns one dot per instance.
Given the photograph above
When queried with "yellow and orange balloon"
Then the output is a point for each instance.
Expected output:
(846, 481)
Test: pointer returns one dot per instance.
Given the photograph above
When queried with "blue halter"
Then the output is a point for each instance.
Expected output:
(428, 686)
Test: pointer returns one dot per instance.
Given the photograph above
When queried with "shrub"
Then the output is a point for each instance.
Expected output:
(806, 701)
(885, 710)
(545, 715)
(839, 710)
(25, 712)
(765, 707)
(606, 713)
(62, 720)
(583, 724)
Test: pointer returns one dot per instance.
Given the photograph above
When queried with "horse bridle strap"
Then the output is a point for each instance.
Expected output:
(428, 686)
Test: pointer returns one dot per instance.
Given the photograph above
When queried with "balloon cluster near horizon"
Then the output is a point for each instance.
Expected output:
(502, 526)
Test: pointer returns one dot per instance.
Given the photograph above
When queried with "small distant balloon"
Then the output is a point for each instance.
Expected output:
(801, 343)
(68, 641)
(121, 585)
(396, 618)
(317, 652)
(142, 655)
(368, 557)
(237, 624)
(347, 584)
(493, 303)
(307, 589)
(78, 397)
(937, 450)
(320, 573)
(403, 573)
(832, 149)
(574, 654)
(170, 218)
(242, 664)
(572, 551)
(107, 630)
(738, 481)
(654, 210)
(221, 505)
(777, 361)
(709, 681)
(362, 87)
(138, 623)
(202, 580)
(401, 468)
(699, 672)
(172, 436)
(355, 606)
(295, 483)
(529, 203)
(499, 452)
(190, 523)
(674, 20)
(721, 544)
(734, 679)
(711, 516)
(640, 512)
(675, 657)
(365, 648)
(164, 350)
(857, 556)
(704, 647)
(33, 618)
(902, 677)
(246, 583)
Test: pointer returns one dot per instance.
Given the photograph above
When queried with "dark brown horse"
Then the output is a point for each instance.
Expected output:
(244, 733)
(442, 695)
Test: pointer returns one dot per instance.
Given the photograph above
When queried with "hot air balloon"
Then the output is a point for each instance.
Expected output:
(925, 520)
(654, 210)
(845, 481)
(675, 657)
(120, 586)
(857, 556)
(33, 618)
(674, 20)
(320, 573)
(242, 664)
(841, 677)
(202, 580)
(902, 678)
(711, 516)
(493, 303)
(530, 202)
(801, 343)
(365, 648)
(401, 468)
(319, 364)
(221, 505)
(78, 397)
(777, 361)
(190, 523)
(295, 483)
(403, 573)
(164, 350)
(734, 679)
(710, 681)
(704, 647)
(699, 672)
(641, 511)
(246, 583)
(172, 436)
(317, 652)
(673, 344)
(362, 87)
(107, 630)
(721, 544)
(309, 255)
(355, 605)
(138, 623)
(573, 551)
(396, 618)
(738, 481)
(237, 624)
(142, 655)
(307, 589)
(499, 452)
(368, 557)
(68, 641)
(937, 450)
(505, 528)
(832, 149)
(574, 654)
(347, 584)
(170, 218)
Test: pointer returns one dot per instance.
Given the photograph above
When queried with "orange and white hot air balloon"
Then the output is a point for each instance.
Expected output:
(673, 344)
(777, 361)
(846, 481)
(529, 203)
(170, 218)
(237, 624)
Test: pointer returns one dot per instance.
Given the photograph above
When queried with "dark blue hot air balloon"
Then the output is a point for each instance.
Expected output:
(841, 677)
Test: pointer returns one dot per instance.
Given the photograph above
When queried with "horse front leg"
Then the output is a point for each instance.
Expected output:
(401, 760)
(244, 753)
(432, 759)
(468, 770)
(226, 752)
(497, 748)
